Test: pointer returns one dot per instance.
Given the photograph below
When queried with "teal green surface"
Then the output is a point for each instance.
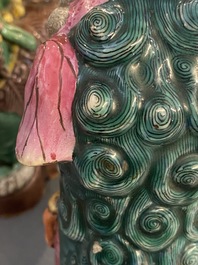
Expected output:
(9, 124)
(130, 195)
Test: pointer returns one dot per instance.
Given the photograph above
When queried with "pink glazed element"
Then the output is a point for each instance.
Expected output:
(46, 132)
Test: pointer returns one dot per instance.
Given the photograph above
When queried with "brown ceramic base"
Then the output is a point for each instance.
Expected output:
(26, 197)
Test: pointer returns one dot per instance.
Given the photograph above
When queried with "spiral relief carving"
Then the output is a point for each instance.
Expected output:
(111, 254)
(181, 252)
(188, 13)
(162, 120)
(149, 226)
(108, 251)
(138, 76)
(70, 218)
(129, 194)
(102, 216)
(106, 108)
(178, 24)
(190, 255)
(191, 222)
(175, 180)
(106, 170)
(99, 36)
(185, 172)
(185, 67)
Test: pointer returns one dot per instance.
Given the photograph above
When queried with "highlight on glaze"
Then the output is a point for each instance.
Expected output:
(129, 170)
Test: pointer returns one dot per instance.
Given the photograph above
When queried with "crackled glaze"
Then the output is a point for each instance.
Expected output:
(129, 176)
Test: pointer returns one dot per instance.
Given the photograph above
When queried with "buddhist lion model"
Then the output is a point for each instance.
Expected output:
(112, 96)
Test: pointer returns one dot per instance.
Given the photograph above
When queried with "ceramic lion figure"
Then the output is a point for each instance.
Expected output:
(112, 97)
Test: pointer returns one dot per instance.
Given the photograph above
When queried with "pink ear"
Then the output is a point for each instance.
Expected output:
(46, 133)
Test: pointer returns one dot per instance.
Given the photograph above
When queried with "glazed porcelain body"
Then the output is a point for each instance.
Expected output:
(123, 97)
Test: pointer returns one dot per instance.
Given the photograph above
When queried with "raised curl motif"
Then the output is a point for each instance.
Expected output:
(136, 86)
(191, 222)
(162, 120)
(185, 68)
(181, 252)
(174, 179)
(130, 192)
(102, 214)
(149, 226)
(178, 24)
(105, 107)
(70, 218)
(106, 170)
(108, 251)
(138, 76)
(190, 255)
(99, 36)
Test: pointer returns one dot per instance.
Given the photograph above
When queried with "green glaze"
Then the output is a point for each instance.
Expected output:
(129, 194)
(5, 52)
(112, 39)
(4, 3)
(18, 36)
(11, 35)
(133, 184)
(9, 124)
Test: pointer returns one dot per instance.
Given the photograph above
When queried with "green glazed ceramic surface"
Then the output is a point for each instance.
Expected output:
(129, 195)
(135, 190)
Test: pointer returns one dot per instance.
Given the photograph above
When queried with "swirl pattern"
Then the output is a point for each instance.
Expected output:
(190, 256)
(192, 95)
(188, 13)
(139, 76)
(178, 24)
(130, 194)
(140, 155)
(185, 67)
(175, 180)
(69, 218)
(105, 110)
(149, 226)
(191, 222)
(102, 214)
(192, 99)
(109, 251)
(99, 35)
(172, 254)
(162, 120)
(137, 257)
(107, 170)
(185, 172)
